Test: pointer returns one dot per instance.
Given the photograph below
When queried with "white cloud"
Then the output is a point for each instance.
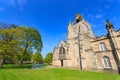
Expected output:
(99, 16)
(21, 3)
(16, 3)
(90, 17)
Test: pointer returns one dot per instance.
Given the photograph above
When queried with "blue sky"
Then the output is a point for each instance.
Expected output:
(51, 17)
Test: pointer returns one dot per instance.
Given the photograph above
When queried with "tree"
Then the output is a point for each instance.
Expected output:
(31, 40)
(48, 58)
(8, 43)
(17, 43)
(7, 26)
(37, 58)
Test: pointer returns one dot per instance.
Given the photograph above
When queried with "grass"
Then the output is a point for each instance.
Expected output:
(52, 74)
(17, 66)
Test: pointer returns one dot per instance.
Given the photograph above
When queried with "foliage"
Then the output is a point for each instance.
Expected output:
(7, 26)
(28, 56)
(31, 40)
(37, 57)
(48, 58)
(9, 41)
(18, 43)
(54, 74)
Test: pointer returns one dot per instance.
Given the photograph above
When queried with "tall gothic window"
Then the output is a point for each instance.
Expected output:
(62, 54)
(102, 47)
(107, 63)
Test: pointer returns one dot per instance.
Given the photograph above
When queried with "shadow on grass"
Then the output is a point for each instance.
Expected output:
(16, 66)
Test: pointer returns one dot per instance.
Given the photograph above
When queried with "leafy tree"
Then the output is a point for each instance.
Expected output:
(8, 43)
(31, 40)
(48, 58)
(7, 26)
(37, 58)
(17, 43)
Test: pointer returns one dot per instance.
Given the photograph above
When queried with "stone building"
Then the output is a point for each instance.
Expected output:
(84, 51)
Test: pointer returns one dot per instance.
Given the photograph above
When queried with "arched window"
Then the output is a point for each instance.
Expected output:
(102, 47)
(107, 63)
(62, 54)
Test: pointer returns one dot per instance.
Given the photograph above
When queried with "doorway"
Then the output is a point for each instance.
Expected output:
(61, 63)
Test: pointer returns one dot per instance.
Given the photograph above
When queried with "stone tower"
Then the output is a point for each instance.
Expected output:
(77, 51)
(114, 42)
(79, 48)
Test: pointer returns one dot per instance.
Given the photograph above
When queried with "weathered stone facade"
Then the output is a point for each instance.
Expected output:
(84, 51)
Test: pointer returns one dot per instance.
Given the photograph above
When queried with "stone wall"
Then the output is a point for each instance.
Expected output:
(83, 49)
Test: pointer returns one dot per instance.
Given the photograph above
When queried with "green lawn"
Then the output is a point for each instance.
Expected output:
(53, 74)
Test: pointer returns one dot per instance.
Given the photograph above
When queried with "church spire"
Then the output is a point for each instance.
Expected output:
(109, 25)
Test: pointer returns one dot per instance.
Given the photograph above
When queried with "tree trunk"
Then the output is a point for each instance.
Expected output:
(21, 61)
(2, 62)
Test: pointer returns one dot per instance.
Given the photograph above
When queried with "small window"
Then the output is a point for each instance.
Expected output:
(107, 63)
(102, 47)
